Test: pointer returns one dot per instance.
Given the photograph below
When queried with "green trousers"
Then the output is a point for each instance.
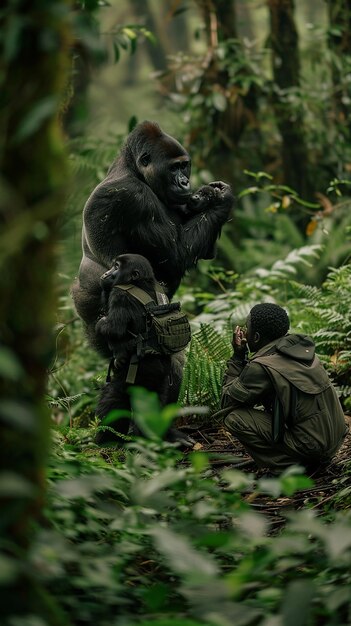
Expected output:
(253, 428)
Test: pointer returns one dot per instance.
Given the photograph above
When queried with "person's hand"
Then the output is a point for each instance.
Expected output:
(239, 342)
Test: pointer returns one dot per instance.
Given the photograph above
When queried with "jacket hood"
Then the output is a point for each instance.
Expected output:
(294, 359)
(297, 347)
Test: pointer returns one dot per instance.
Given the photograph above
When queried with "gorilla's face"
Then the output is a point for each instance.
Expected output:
(127, 268)
(165, 166)
(178, 189)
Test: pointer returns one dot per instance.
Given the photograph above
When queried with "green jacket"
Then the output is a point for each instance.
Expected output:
(288, 379)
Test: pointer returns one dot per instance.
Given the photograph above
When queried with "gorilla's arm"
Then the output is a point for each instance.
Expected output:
(127, 211)
(126, 216)
(122, 315)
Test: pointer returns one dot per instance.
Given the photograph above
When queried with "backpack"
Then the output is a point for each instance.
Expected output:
(167, 329)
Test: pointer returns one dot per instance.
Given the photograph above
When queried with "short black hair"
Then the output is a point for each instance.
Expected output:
(270, 320)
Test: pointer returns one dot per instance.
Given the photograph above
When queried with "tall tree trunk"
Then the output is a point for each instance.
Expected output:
(219, 18)
(244, 20)
(286, 73)
(237, 107)
(86, 54)
(157, 54)
(339, 41)
(34, 62)
(170, 31)
(174, 25)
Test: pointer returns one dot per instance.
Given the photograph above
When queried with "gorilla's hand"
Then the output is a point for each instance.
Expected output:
(223, 190)
(214, 195)
(219, 184)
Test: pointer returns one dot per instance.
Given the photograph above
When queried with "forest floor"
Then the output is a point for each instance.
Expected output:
(226, 452)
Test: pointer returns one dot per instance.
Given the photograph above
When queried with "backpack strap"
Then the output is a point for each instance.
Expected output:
(143, 296)
(110, 367)
(137, 293)
(132, 369)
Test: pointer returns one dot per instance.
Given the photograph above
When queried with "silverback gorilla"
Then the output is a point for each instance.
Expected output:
(143, 206)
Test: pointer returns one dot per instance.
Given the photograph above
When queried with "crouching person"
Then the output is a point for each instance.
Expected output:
(300, 420)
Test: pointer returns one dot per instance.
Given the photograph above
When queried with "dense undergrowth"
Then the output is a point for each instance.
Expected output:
(147, 535)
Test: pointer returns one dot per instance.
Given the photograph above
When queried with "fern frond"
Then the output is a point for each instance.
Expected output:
(284, 268)
(309, 293)
(64, 402)
(202, 376)
(344, 391)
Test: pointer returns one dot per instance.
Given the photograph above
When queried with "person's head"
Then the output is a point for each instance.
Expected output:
(265, 323)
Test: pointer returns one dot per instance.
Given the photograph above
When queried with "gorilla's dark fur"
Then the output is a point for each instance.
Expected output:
(125, 319)
(143, 207)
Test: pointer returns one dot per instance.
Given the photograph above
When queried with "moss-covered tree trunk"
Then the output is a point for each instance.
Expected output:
(289, 117)
(34, 40)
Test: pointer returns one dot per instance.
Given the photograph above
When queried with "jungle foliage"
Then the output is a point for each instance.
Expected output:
(144, 535)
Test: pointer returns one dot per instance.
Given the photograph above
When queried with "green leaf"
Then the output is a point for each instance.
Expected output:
(84, 486)
(10, 367)
(132, 122)
(291, 481)
(219, 101)
(18, 415)
(116, 52)
(129, 32)
(199, 461)
(238, 480)
(14, 486)
(149, 36)
(338, 540)
(248, 190)
(147, 489)
(258, 175)
(36, 117)
(253, 525)
(115, 415)
(292, 484)
(181, 556)
(133, 45)
(156, 598)
(9, 568)
(174, 621)
(147, 413)
(298, 603)
(12, 36)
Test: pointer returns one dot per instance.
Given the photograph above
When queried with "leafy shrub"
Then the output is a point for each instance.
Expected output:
(145, 536)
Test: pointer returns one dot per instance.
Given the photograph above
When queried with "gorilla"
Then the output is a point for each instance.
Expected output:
(121, 327)
(143, 207)
(203, 198)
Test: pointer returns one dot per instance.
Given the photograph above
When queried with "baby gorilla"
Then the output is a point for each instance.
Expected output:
(205, 197)
(124, 322)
